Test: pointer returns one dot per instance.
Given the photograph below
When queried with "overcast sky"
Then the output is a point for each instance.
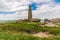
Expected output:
(18, 9)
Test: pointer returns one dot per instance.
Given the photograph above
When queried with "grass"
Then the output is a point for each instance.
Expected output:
(23, 31)
(16, 36)
(10, 35)
(30, 27)
(22, 27)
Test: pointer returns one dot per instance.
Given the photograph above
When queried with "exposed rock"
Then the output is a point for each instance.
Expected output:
(32, 20)
(20, 20)
(56, 20)
(51, 25)
(42, 34)
(35, 20)
(46, 21)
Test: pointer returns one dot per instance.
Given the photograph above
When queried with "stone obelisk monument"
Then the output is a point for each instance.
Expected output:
(29, 13)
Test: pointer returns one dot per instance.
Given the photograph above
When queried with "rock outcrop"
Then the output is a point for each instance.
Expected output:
(35, 20)
(49, 23)
(55, 20)
(20, 20)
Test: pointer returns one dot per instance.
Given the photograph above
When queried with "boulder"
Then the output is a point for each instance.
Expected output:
(35, 20)
(20, 20)
(51, 25)
(56, 20)
(47, 21)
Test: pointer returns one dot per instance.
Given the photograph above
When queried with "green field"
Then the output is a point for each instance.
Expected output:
(24, 31)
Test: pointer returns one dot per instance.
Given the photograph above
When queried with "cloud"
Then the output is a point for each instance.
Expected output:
(13, 5)
(17, 6)
(45, 9)
(17, 15)
(48, 10)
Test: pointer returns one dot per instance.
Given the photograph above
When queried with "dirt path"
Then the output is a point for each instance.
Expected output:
(42, 34)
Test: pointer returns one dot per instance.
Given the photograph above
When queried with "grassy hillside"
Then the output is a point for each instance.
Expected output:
(24, 31)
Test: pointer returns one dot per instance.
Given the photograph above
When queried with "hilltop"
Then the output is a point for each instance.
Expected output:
(28, 31)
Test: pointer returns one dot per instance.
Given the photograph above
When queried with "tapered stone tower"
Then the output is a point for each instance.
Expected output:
(30, 19)
(29, 13)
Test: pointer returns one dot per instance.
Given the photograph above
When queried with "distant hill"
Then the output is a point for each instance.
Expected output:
(6, 21)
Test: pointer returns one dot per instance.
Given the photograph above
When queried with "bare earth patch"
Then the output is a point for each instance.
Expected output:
(42, 34)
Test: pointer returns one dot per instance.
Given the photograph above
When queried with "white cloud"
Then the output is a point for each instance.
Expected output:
(48, 9)
(8, 5)
(17, 15)
(39, 1)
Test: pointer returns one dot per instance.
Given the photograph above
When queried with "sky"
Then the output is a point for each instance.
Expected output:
(18, 9)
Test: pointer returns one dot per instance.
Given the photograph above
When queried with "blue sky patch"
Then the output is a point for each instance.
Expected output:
(57, 1)
(34, 6)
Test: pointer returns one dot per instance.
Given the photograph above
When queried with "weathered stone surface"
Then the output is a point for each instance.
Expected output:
(35, 20)
(29, 13)
(51, 25)
(47, 21)
(43, 34)
(55, 20)
(21, 20)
